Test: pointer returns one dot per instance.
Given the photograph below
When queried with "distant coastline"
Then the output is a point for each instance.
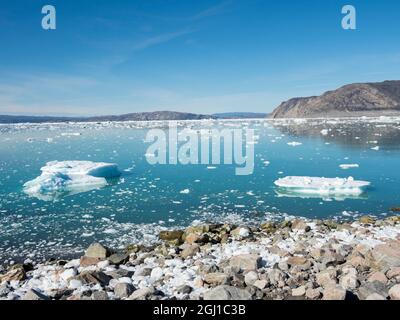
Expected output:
(139, 116)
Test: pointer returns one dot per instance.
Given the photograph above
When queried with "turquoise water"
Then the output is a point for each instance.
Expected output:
(147, 197)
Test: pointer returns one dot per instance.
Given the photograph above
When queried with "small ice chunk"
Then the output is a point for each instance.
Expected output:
(186, 191)
(348, 166)
(324, 132)
(294, 144)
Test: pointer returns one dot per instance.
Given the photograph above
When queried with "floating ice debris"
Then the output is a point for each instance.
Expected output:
(294, 144)
(322, 186)
(70, 177)
(71, 134)
(348, 166)
(186, 191)
(375, 148)
(266, 163)
(324, 132)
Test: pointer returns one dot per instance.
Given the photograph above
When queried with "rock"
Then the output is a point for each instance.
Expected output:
(123, 290)
(96, 250)
(75, 284)
(245, 262)
(283, 265)
(142, 294)
(193, 238)
(17, 274)
(366, 220)
(4, 290)
(198, 282)
(393, 272)
(250, 277)
(326, 278)
(216, 278)
(68, 274)
(100, 296)
(94, 277)
(387, 255)
(375, 296)
(35, 295)
(118, 258)
(298, 224)
(349, 281)
(331, 258)
(330, 224)
(185, 289)
(300, 262)
(156, 274)
(190, 251)
(378, 276)
(313, 294)
(142, 272)
(241, 232)
(88, 261)
(358, 261)
(227, 293)
(394, 292)
(369, 288)
(133, 248)
(268, 227)
(299, 292)
(334, 293)
(121, 273)
(276, 277)
(261, 284)
(175, 235)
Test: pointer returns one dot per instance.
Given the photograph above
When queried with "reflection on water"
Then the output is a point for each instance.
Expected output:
(351, 133)
(282, 192)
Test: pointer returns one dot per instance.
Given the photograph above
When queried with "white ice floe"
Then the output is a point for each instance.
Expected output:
(294, 144)
(348, 166)
(323, 186)
(70, 177)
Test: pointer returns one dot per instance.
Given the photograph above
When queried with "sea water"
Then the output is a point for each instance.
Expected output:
(147, 198)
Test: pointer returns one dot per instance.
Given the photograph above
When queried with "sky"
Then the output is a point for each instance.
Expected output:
(202, 56)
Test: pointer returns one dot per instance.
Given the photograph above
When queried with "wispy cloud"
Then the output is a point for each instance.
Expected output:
(161, 38)
(211, 11)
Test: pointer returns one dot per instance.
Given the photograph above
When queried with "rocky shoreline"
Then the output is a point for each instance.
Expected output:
(294, 259)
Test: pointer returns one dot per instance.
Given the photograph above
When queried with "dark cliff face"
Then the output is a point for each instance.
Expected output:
(351, 100)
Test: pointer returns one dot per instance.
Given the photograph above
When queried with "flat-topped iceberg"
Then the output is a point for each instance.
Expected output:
(60, 178)
(323, 186)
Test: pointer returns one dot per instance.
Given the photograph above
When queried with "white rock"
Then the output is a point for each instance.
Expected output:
(68, 274)
(75, 284)
(156, 274)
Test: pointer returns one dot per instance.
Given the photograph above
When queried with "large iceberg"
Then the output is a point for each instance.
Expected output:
(60, 178)
(323, 186)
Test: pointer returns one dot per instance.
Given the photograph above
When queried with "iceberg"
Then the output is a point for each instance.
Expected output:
(61, 178)
(322, 186)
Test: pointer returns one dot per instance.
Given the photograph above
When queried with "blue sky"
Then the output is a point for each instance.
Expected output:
(203, 56)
